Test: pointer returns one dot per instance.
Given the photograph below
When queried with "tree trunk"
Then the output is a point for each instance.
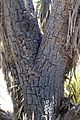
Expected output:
(20, 38)
(51, 66)
(40, 70)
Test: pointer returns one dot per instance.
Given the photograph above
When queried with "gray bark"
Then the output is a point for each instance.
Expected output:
(20, 39)
(40, 71)
(51, 65)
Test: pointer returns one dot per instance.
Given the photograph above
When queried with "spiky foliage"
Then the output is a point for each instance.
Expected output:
(73, 37)
(72, 45)
(72, 88)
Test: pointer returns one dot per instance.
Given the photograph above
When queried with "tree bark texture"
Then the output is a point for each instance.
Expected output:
(16, 25)
(41, 65)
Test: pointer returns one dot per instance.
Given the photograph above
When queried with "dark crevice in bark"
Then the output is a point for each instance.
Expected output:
(21, 40)
(42, 83)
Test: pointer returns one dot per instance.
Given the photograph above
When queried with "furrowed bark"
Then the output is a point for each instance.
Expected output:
(40, 72)
(46, 90)
(21, 40)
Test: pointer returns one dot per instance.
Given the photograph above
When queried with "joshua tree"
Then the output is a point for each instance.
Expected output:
(37, 64)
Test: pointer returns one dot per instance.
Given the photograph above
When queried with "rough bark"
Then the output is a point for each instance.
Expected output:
(20, 38)
(40, 72)
(51, 66)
